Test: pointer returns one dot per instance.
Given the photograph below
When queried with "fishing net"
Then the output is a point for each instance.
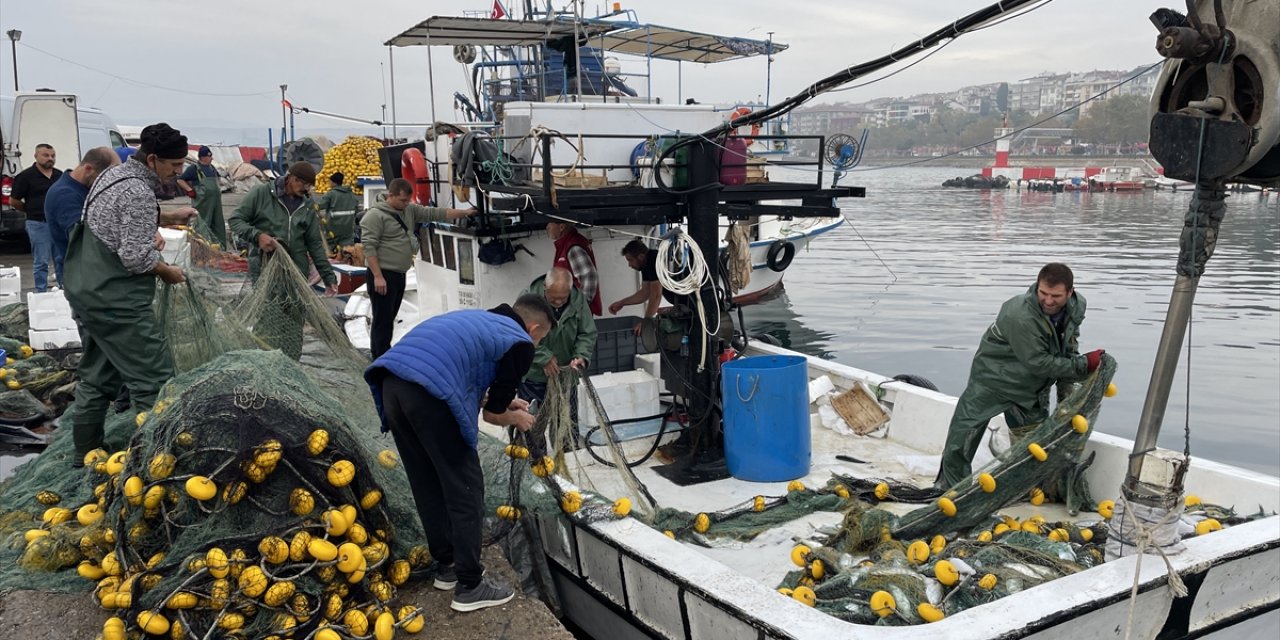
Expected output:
(256, 497)
(1044, 465)
(14, 323)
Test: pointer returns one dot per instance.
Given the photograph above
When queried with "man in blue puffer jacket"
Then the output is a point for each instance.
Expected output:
(428, 389)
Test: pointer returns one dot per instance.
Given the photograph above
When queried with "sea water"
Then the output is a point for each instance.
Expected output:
(920, 271)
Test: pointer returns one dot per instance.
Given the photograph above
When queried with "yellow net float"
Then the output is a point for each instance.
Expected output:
(947, 507)
(1037, 452)
(929, 612)
(946, 573)
(883, 604)
(1080, 423)
(1106, 508)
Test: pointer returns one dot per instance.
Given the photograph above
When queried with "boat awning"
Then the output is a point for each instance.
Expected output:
(483, 32)
(645, 40)
(667, 43)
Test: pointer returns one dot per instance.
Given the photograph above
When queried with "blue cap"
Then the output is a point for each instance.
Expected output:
(204, 151)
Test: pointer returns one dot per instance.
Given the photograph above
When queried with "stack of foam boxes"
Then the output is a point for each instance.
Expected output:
(10, 285)
(52, 326)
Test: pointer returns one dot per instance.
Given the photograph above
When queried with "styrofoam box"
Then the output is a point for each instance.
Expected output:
(10, 280)
(7, 299)
(175, 246)
(59, 339)
(624, 395)
(49, 311)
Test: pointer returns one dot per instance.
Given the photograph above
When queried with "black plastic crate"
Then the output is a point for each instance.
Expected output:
(616, 345)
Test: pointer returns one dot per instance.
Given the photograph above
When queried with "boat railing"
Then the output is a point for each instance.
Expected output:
(548, 170)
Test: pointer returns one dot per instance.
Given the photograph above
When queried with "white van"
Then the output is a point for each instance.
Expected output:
(46, 117)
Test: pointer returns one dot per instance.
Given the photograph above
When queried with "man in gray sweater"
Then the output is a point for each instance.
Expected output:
(387, 232)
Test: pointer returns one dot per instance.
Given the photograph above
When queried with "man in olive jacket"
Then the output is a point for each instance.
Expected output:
(388, 233)
(573, 339)
(1032, 345)
(278, 219)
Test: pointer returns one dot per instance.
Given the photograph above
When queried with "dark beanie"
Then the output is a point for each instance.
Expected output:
(337, 177)
(204, 151)
(304, 171)
(164, 141)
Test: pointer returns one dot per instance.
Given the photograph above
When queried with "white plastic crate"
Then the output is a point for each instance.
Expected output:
(58, 339)
(7, 299)
(10, 281)
(49, 311)
(624, 395)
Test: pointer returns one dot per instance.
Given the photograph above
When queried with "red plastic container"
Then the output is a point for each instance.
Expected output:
(733, 162)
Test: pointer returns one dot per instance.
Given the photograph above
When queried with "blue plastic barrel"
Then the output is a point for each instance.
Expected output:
(766, 418)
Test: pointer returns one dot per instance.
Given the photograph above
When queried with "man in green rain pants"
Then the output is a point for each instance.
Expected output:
(278, 221)
(200, 183)
(1032, 345)
(337, 207)
(112, 264)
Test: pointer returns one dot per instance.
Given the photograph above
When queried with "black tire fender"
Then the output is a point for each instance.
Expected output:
(780, 255)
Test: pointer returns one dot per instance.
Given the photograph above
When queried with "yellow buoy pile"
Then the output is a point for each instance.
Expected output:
(327, 571)
(356, 156)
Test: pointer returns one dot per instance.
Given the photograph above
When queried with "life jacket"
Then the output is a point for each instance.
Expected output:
(454, 357)
(571, 239)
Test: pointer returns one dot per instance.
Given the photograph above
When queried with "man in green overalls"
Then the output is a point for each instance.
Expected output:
(206, 196)
(1032, 345)
(112, 264)
(278, 220)
(337, 208)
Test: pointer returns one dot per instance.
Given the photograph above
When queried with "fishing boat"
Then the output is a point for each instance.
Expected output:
(658, 179)
(538, 102)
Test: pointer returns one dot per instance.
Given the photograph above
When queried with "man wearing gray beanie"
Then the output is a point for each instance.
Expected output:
(112, 264)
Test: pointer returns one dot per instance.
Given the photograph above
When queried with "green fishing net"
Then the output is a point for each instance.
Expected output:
(257, 496)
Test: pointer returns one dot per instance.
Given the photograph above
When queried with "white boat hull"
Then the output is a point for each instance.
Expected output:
(622, 571)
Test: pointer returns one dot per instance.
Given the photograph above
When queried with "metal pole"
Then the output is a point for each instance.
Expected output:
(391, 58)
(431, 86)
(577, 53)
(1199, 235)
(704, 229)
(768, 73)
(284, 115)
(382, 73)
(679, 83)
(13, 46)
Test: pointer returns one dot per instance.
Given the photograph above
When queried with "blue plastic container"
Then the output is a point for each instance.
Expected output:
(766, 418)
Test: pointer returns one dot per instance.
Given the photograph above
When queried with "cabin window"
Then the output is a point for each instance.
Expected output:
(466, 262)
(436, 245)
(450, 255)
(117, 140)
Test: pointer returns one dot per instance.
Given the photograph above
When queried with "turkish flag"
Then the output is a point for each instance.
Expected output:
(498, 12)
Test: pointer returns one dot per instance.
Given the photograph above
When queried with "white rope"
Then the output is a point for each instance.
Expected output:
(1144, 538)
(540, 130)
(688, 258)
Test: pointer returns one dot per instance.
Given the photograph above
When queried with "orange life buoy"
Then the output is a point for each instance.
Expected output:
(755, 128)
(413, 167)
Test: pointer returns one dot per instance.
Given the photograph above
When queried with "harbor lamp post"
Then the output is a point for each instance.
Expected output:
(14, 36)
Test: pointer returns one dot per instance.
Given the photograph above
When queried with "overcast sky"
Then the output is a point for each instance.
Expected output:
(329, 52)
